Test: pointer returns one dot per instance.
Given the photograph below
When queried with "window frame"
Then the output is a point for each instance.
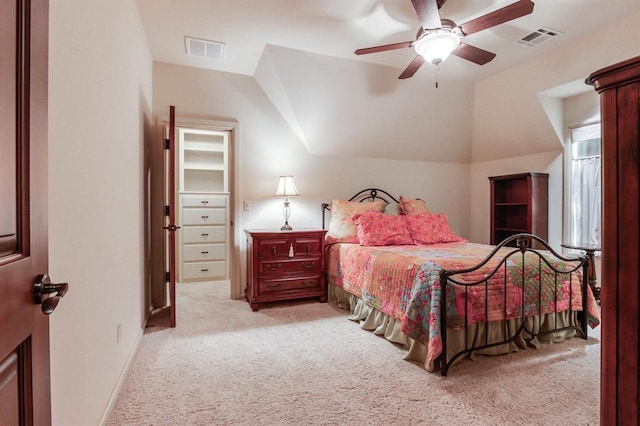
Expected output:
(567, 185)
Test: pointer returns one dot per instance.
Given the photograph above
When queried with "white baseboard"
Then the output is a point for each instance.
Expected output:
(123, 376)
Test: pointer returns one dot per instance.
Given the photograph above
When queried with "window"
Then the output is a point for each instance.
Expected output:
(585, 188)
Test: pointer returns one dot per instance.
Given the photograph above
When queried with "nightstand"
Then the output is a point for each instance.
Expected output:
(284, 265)
(589, 250)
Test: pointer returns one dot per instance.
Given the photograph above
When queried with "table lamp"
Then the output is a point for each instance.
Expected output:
(286, 188)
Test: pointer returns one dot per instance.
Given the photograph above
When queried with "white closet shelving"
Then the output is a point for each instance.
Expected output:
(203, 194)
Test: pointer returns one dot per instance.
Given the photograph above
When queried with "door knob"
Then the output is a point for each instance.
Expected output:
(48, 294)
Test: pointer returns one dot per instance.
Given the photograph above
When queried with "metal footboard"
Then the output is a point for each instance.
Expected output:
(450, 279)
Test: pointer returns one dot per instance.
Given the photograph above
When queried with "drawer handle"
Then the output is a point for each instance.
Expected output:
(308, 283)
(204, 202)
(204, 235)
(204, 270)
(308, 265)
(204, 217)
(273, 285)
(308, 248)
(274, 267)
(273, 250)
(204, 252)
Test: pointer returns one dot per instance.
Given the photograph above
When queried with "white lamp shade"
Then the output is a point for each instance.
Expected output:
(286, 187)
(435, 47)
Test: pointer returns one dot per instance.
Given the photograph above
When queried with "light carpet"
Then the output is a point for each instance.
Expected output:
(305, 363)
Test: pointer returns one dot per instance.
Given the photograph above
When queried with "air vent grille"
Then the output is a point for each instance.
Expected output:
(537, 37)
(204, 48)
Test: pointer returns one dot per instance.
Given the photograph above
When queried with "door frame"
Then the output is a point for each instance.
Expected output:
(159, 289)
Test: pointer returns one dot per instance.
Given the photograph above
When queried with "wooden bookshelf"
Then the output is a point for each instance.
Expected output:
(519, 203)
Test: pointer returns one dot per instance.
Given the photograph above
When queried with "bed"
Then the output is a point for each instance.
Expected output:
(496, 299)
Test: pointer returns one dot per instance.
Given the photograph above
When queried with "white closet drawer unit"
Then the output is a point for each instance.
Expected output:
(204, 270)
(203, 201)
(204, 234)
(203, 214)
(200, 252)
(199, 216)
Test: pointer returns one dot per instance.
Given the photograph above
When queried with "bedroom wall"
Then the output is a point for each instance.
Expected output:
(509, 119)
(546, 162)
(100, 94)
(268, 147)
(344, 107)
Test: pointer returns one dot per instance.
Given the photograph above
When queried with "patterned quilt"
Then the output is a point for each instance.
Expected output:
(404, 282)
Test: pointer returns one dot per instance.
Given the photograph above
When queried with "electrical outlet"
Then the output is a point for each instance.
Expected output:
(247, 206)
(118, 332)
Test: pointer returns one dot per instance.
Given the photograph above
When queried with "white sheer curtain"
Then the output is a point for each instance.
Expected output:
(586, 199)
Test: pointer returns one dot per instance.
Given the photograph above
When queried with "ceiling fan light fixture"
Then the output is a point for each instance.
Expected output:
(436, 46)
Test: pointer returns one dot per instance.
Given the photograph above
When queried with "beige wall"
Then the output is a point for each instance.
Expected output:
(100, 102)
(546, 162)
(509, 118)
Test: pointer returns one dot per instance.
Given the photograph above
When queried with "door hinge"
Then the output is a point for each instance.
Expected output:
(166, 143)
(166, 210)
(167, 277)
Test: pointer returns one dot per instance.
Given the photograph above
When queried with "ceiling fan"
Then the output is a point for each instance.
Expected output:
(437, 38)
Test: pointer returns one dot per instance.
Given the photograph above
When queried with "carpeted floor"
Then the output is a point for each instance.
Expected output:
(305, 363)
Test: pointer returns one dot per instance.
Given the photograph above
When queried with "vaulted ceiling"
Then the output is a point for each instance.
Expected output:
(301, 52)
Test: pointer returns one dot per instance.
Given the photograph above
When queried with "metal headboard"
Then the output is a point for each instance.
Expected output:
(369, 194)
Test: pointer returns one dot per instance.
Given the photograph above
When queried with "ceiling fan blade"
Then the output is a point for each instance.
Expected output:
(497, 17)
(428, 13)
(412, 68)
(473, 54)
(383, 48)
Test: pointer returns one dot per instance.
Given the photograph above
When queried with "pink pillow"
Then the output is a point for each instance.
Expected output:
(379, 229)
(430, 229)
(412, 206)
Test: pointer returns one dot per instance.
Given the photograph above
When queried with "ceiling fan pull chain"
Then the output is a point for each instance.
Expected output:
(437, 67)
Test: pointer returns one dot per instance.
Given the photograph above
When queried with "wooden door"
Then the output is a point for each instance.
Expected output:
(170, 209)
(24, 328)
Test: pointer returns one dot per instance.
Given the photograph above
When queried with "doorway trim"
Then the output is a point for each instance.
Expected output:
(233, 127)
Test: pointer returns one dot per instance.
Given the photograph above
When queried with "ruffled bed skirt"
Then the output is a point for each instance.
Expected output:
(381, 324)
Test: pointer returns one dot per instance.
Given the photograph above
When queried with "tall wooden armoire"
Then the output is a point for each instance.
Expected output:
(619, 88)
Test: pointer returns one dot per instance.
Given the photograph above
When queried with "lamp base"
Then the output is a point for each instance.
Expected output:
(286, 227)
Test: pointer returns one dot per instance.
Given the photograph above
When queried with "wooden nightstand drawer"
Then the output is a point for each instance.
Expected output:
(270, 286)
(308, 246)
(274, 248)
(288, 267)
(285, 265)
(290, 247)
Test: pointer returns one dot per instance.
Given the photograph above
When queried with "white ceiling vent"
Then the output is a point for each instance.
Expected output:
(204, 48)
(537, 37)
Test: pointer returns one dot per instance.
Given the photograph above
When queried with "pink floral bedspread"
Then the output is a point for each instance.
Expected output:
(404, 282)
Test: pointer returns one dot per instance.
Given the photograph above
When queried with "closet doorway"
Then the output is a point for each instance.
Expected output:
(198, 236)
(203, 198)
